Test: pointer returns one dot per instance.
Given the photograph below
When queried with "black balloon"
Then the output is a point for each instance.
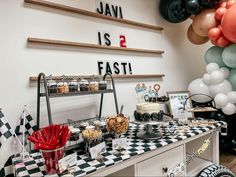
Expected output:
(174, 11)
(193, 7)
(208, 3)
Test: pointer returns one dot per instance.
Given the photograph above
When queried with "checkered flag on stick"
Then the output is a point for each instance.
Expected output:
(29, 123)
(5, 129)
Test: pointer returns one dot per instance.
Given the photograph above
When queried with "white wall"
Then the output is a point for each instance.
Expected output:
(181, 63)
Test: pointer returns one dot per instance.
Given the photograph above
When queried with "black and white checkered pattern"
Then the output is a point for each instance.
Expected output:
(30, 125)
(215, 170)
(85, 165)
(7, 170)
(5, 129)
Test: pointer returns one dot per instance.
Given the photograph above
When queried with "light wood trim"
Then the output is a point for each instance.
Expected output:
(91, 46)
(90, 14)
(138, 76)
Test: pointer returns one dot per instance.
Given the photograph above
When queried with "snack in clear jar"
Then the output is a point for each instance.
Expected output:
(102, 85)
(62, 87)
(52, 86)
(92, 137)
(93, 86)
(75, 133)
(91, 133)
(118, 124)
(73, 86)
(83, 85)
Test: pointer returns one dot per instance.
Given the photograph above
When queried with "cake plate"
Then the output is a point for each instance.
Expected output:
(149, 133)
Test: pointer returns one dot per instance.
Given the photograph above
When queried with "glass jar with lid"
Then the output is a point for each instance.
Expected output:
(73, 86)
(84, 85)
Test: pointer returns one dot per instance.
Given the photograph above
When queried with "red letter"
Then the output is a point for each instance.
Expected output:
(122, 41)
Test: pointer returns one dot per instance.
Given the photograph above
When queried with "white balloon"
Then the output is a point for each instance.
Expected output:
(225, 71)
(224, 87)
(197, 86)
(207, 79)
(221, 100)
(217, 77)
(212, 67)
(232, 97)
(229, 109)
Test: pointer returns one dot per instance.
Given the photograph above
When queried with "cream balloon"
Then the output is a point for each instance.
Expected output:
(217, 77)
(224, 87)
(197, 86)
(212, 67)
(232, 97)
(206, 79)
(229, 109)
(225, 71)
(204, 21)
(221, 100)
(195, 38)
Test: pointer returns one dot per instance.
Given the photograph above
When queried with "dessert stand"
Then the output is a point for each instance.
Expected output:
(150, 96)
(148, 133)
(42, 83)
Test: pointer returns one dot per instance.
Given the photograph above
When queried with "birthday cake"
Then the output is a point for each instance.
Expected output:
(147, 111)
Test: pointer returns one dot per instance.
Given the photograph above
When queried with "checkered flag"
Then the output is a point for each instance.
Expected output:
(5, 129)
(30, 125)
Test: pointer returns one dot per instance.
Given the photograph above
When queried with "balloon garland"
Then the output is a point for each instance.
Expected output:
(224, 34)
(176, 11)
(219, 81)
(212, 20)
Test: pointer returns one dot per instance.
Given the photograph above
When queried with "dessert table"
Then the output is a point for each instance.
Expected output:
(136, 154)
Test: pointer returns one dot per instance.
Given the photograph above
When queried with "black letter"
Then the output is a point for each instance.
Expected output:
(107, 38)
(108, 10)
(99, 38)
(121, 15)
(101, 6)
(130, 68)
(115, 11)
(124, 67)
(116, 69)
(108, 68)
(100, 67)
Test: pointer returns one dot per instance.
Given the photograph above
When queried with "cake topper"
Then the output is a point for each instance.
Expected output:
(152, 94)
(140, 89)
(147, 94)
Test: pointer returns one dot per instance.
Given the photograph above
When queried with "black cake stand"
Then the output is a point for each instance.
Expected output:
(148, 133)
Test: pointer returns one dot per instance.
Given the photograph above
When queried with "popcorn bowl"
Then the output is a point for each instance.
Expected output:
(117, 124)
(92, 137)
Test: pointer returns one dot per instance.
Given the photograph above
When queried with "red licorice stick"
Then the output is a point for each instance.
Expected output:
(33, 139)
(51, 137)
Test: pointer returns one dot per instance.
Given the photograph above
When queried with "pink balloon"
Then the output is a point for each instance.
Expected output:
(214, 42)
(214, 33)
(223, 4)
(203, 22)
(220, 12)
(228, 24)
(229, 3)
(223, 42)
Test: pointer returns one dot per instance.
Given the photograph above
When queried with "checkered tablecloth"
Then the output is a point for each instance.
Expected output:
(34, 166)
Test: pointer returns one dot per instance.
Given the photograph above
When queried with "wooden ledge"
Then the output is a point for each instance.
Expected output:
(91, 46)
(133, 76)
(91, 14)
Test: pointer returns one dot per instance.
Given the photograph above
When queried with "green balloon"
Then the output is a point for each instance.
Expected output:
(232, 78)
(229, 56)
(213, 55)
